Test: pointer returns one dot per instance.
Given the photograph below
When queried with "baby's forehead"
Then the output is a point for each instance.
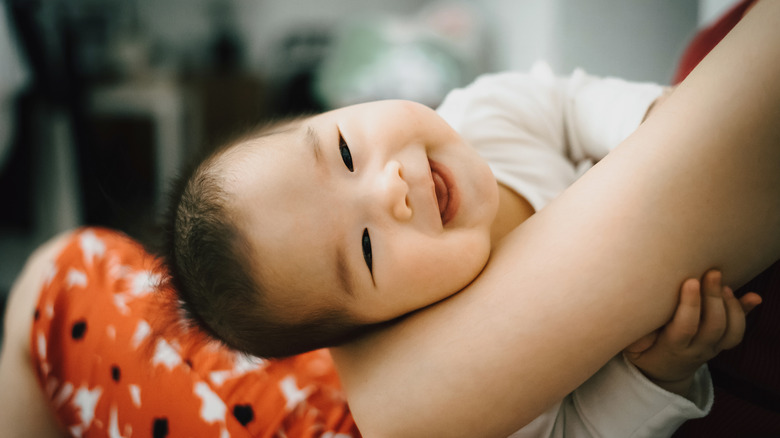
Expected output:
(236, 156)
(278, 128)
(247, 172)
(275, 135)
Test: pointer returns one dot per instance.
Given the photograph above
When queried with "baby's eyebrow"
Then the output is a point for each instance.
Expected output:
(314, 142)
(343, 270)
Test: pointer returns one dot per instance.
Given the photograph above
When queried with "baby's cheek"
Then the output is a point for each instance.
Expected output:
(455, 265)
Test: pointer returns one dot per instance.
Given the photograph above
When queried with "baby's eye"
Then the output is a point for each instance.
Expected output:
(367, 251)
(346, 155)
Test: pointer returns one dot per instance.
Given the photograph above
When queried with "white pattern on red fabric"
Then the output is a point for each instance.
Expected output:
(52, 383)
(63, 394)
(135, 394)
(77, 431)
(142, 330)
(166, 354)
(76, 278)
(113, 424)
(91, 246)
(120, 301)
(242, 366)
(143, 283)
(85, 400)
(51, 272)
(41, 344)
(212, 408)
(291, 392)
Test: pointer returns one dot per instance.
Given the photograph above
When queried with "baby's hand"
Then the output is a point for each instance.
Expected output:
(708, 320)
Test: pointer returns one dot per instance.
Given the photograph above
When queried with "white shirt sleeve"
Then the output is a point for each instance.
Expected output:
(619, 401)
(539, 132)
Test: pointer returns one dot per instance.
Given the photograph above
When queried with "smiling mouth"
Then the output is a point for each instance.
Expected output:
(446, 193)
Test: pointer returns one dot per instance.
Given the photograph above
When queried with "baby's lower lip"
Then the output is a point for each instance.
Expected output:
(446, 193)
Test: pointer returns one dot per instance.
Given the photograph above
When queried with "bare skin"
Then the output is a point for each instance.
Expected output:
(708, 320)
(16, 374)
(695, 187)
(25, 409)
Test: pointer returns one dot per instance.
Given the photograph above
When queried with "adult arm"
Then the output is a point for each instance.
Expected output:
(696, 187)
(622, 401)
(539, 132)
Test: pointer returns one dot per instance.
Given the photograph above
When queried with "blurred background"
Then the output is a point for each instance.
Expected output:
(101, 101)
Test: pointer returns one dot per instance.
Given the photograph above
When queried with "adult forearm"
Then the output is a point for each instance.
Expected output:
(697, 186)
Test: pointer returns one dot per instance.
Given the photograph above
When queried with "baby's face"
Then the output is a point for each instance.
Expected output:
(380, 208)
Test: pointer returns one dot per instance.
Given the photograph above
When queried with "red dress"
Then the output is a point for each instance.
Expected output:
(111, 366)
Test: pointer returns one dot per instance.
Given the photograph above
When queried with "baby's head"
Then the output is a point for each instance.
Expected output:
(303, 236)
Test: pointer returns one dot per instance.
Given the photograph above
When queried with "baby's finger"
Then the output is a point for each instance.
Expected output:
(736, 320)
(684, 325)
(750, 301)
(713, 320)
(642, 344)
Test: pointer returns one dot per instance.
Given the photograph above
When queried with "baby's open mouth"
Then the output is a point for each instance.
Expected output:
(442, 193)
(446, 192)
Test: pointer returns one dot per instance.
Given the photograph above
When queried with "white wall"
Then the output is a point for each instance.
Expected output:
(523, 32)
(711, 9)
(636, 39)
(639, 40)
(188, 23)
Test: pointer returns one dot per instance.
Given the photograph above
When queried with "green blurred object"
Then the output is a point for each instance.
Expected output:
(387, 58)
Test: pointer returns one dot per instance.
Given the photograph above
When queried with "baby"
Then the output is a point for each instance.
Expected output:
(319, 228)
(315, 230)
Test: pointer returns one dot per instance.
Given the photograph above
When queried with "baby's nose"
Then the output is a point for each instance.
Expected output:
(395, 191)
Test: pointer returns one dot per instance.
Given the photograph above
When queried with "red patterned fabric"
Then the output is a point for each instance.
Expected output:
(111, 368)
(706, 39)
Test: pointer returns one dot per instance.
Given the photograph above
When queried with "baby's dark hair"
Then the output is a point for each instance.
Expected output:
(211, 266)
